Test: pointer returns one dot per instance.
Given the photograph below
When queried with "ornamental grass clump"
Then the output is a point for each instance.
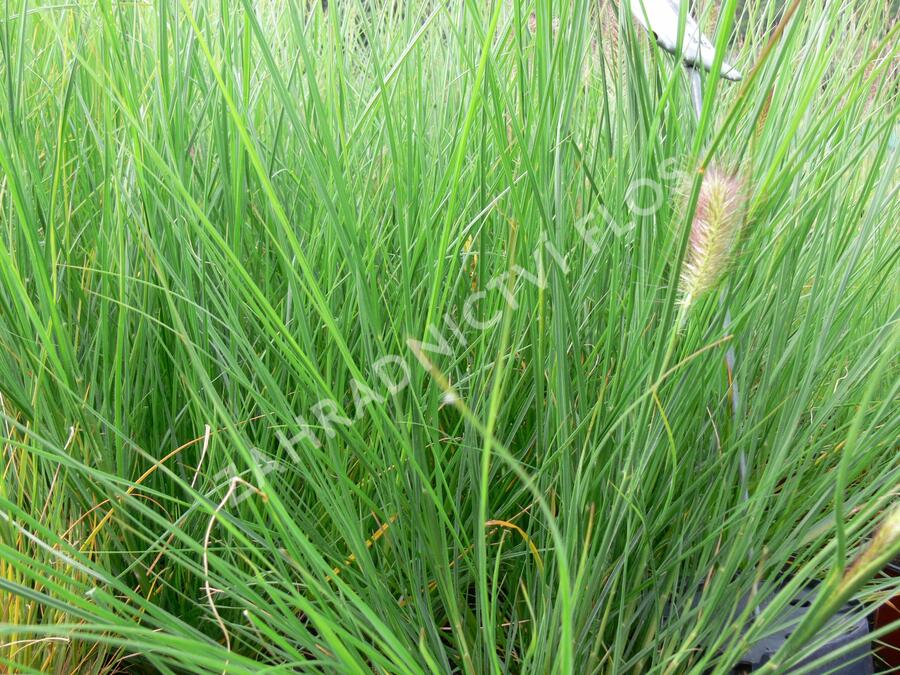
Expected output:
(263, 409)
(721, 207)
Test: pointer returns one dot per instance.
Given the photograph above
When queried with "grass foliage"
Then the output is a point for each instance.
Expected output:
(217, 216)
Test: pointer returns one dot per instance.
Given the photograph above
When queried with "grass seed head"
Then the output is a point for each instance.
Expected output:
(717, 222)
(881, 549)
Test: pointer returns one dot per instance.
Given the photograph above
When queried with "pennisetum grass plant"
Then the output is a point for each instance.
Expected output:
(222, 224)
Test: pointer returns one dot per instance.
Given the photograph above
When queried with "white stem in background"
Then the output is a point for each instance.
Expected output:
(735, 401)
(696, 90)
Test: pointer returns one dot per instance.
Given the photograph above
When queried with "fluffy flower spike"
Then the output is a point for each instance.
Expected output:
(714, 231)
